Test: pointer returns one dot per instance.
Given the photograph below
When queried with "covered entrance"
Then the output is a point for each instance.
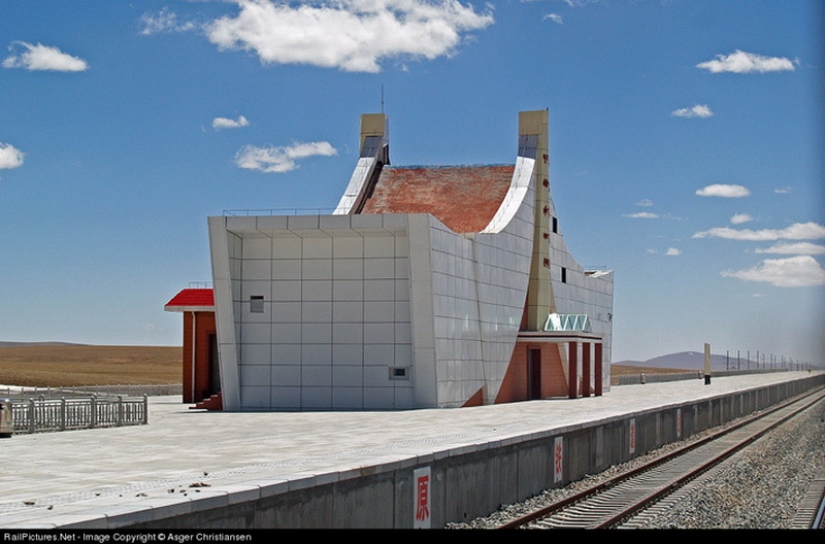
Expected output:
(201, 371)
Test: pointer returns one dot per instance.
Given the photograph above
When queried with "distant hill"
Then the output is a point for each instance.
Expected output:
(692, 360)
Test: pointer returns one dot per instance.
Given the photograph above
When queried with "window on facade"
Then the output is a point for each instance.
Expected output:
(398, 373)
(555, 225)
(256, 304)
(564, 275)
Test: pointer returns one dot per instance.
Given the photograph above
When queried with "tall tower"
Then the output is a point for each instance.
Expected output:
(375, 137)
(534, 143)
(374, 153)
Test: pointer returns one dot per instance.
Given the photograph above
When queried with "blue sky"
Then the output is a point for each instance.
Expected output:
(686, 147)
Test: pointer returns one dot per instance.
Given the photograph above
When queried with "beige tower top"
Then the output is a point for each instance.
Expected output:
(375, 136)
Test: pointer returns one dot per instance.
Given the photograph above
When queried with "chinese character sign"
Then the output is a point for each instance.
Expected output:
(558, 459)
(678, 423)
(632, 432)
(421, 481)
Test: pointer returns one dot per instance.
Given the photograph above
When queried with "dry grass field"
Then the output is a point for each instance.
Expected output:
(621, 370)
(72, 365)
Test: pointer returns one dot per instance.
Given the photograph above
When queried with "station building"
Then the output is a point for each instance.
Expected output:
(427, 287)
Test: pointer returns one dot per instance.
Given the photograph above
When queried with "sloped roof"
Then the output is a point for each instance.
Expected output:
(192, 300)
(464, 198)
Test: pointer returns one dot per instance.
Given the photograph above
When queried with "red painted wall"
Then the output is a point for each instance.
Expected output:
(205, 324)
(515, 382)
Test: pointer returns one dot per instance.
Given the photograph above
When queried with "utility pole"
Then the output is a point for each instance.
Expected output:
(707, 364)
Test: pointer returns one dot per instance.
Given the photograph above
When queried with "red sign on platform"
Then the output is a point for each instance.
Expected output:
(421, 479)
(558, 459)
(678, 423)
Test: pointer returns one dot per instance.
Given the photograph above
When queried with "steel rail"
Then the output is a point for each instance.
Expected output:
(811, 513)
(819, 518)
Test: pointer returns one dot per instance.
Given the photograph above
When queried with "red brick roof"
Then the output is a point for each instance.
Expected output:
(465, 198)
(202, 299)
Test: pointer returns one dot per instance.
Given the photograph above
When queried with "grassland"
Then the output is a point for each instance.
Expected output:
(72, 365)
(621, 370)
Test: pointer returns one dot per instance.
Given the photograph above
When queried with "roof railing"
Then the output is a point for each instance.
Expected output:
(279, 211)
(200, 285)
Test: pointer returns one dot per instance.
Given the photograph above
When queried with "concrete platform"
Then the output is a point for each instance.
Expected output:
(186, 461)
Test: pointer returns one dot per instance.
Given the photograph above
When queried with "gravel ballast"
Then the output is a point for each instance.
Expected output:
(760, 488)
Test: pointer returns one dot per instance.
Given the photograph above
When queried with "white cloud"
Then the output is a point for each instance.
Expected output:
(219, 123)
(10, 157)
(645, 203)
(802, 271)
(740, 218)
(555, 17)
(697, 110)
(642, 215)
(352, 35)
(782, 190)
(797, 248)
(725, 191)
(164, 21)
(797, 231)
(280, 159)
(579, 3)
(741, 62)
(673, 252)
(44, 57)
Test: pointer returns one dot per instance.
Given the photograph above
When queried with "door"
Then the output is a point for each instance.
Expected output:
(214, 367)
(533, 374)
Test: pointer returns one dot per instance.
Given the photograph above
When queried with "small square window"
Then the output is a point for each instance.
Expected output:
(399, 373)
(256, 304)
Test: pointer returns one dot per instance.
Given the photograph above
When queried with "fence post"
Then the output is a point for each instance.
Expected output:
(145, 409)
(31, 416)
(119, 410)
(62, 413)
(94, 410)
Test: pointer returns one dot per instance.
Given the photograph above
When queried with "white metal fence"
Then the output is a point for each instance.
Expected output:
(86, 391)
(41, 415)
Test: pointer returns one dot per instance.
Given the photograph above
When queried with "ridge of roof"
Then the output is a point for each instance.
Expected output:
(436, 166)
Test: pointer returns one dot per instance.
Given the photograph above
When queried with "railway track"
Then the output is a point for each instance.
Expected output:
(615, 502)
(811, 514)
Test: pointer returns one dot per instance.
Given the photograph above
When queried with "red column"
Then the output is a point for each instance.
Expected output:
(586, 369)
(573, 370)
(598, 364)
(188, 354)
